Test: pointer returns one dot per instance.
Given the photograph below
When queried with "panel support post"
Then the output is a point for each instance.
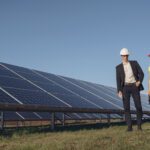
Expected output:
(53, 121)
(108, 118)
(1, 120)
(63, 117)
(100, 119)
(122, 117)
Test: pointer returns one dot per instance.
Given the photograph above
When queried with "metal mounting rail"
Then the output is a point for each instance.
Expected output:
(43, 108)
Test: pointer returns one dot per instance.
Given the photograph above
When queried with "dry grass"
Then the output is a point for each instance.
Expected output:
(112, 138)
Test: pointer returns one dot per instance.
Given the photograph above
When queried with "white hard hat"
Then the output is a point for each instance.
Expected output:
(124, 51)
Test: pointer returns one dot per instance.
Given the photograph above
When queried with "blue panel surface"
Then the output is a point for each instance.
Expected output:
(4, 98)
(35, 97)
(35, 87)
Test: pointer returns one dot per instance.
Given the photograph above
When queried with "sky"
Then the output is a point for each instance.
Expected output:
(80, 39)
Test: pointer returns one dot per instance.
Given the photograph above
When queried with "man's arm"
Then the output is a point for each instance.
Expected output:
(140, 72)
(118, 79)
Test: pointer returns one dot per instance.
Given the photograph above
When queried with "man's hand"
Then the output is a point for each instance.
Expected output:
(120, 94)
(137, 83)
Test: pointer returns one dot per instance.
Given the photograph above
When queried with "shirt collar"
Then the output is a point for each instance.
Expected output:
(124, 63)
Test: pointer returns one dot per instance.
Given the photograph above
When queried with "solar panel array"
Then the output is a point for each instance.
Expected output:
(20, 85)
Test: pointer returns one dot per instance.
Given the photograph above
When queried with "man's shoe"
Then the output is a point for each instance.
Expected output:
(129, 129)
(139, 128)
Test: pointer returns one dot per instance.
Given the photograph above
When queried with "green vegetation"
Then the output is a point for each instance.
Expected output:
(111, 138)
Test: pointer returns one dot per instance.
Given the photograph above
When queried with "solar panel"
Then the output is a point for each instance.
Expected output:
(102, 93)
(26, 86)
(4, 98)
(5, 72)
(81, 92)
(73, 99)
(12, 116)
(57, 90)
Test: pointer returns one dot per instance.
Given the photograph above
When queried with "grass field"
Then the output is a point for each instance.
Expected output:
(110, 138)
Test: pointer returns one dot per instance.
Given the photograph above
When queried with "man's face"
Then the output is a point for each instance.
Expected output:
(124, 58)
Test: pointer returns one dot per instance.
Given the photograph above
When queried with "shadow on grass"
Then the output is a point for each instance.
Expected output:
(9, 132)
(88, 126)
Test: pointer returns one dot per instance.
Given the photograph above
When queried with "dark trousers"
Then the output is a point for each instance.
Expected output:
(128, 91)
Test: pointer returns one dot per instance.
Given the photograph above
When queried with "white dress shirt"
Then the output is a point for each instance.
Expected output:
(129, 76)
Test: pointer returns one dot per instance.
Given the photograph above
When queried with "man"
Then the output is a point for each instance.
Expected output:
(129, 76)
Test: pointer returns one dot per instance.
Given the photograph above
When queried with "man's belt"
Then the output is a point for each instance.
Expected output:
(129, 84)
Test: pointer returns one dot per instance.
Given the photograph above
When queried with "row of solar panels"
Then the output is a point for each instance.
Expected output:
(25, 86)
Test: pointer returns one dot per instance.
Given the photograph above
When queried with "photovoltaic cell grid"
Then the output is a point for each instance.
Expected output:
(25, 86)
